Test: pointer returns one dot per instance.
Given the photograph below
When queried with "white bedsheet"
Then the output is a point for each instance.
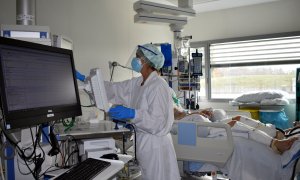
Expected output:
(250, 160)
(253, 161)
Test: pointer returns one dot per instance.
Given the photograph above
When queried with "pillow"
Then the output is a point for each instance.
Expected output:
(218, 114)
(276, 101)
(260, 95)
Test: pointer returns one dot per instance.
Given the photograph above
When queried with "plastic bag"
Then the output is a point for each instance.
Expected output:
(277, 118)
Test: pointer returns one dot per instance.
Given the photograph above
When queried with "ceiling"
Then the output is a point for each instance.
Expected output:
(213, 5)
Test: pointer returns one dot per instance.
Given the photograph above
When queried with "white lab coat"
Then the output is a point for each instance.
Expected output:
(153, 118)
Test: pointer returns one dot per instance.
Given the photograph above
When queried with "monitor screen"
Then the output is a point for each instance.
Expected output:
(38, 83)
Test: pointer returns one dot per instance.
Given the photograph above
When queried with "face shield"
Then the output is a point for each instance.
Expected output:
(147, 53)
(129, 62)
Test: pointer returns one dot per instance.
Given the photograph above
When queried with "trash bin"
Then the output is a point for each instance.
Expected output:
(275, 117)
(254, 111)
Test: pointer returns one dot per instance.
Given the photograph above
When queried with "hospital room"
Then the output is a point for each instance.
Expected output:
(150, 89)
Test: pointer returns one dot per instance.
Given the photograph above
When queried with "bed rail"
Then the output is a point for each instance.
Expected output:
(215, 151)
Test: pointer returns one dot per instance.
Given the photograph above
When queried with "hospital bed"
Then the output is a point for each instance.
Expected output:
(227, 154)
(207, 150)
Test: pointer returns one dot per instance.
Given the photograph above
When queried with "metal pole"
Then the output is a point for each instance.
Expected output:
(26, 12)
(189, 74)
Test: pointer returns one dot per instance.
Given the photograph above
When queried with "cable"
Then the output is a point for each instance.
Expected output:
(46, 171)
(112, 73)
(43, 158)
(21, 152)
(74, 151)
(38, 160)
(27, 173)
(131, 125)
(62, 155)
(46, 137)
(114, 64)
(104, 113)
(282, 131)
(70, 155)
(1, 169)
(294, 169)
(42, 174)
(291, 133)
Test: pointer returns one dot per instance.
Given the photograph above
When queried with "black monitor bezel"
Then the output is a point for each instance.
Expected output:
(36, 116)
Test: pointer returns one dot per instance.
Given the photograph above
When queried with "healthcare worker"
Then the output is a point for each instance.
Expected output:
(147, 101)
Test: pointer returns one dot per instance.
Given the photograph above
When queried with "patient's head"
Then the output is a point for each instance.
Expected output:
(218, 114)
(207, 113)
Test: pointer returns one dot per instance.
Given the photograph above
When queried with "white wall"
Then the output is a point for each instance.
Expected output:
(268, 18)
(102, 30)
(273, 17)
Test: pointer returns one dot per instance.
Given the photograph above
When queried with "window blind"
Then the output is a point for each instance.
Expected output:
(276, 50)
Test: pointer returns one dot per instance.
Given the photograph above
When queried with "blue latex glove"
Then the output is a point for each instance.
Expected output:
(120, 112)
(80, 76)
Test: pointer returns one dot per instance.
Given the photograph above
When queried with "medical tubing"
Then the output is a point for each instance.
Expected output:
(282, 131)
(1, 169)
(294, 169)
(131, 125)
(292, 133)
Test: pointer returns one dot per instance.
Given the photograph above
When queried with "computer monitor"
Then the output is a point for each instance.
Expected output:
(37, 83)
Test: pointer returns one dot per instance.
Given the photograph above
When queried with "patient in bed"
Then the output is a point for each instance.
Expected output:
(254, 130)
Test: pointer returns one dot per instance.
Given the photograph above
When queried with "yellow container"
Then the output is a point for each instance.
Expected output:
(253, 111)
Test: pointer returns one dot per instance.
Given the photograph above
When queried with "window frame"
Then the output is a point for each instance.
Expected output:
(206, 45)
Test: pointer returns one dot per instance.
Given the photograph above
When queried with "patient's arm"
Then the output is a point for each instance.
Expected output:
(206, 113)
(278, 146)
(179, 113)
(268, 129)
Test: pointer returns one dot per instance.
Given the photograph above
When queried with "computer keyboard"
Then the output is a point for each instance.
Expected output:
(87, 169)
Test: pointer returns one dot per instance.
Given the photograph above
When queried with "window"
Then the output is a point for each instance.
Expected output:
(252, 64)
(229, 82)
